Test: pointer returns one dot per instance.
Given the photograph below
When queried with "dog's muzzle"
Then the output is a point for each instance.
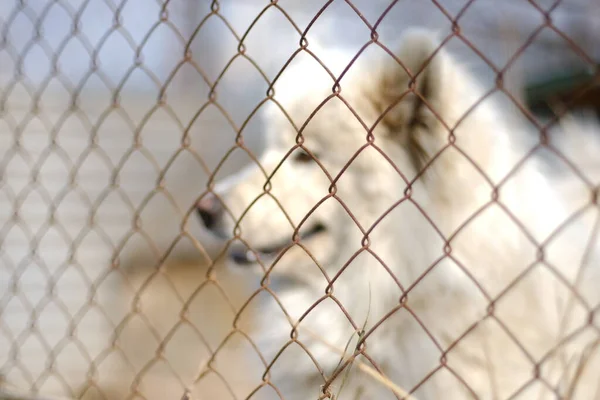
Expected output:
(210, 210)
(242, 255)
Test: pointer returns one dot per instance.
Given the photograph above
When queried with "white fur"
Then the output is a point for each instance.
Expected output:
(443, 304)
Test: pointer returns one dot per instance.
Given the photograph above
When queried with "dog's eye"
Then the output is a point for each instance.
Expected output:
(302, 157)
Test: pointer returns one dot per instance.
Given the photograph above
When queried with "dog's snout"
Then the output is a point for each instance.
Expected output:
(210, 210)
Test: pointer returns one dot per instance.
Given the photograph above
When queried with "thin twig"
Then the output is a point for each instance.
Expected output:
(360, 336)
(363, 367)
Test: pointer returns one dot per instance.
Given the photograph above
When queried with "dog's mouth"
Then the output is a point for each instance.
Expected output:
(242, 255)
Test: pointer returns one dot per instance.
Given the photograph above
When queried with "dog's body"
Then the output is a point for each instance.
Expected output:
(434, 242)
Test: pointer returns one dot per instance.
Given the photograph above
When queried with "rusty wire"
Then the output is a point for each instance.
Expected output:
(17, 125)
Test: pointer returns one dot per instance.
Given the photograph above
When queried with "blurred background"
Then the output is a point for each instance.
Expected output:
(114, 113)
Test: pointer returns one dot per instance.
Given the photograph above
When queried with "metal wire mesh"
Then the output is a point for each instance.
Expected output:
(110, 288)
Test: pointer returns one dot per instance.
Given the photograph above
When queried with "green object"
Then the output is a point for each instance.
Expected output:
(559, 87)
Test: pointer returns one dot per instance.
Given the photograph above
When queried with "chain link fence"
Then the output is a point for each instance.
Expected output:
(119, 120)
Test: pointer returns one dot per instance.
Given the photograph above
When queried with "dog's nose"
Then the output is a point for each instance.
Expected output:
(210, 210)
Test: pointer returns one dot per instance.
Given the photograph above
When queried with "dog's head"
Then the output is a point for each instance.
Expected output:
(338, 158)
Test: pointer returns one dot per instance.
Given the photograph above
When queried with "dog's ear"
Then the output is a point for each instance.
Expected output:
(413, 95)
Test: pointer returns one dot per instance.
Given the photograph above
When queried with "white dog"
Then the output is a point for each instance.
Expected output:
(410, 242)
